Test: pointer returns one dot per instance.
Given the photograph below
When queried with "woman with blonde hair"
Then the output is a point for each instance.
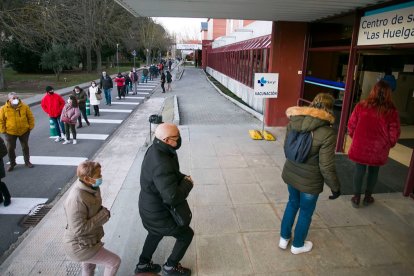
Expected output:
(374, 127)
(85, 217)
(305, 178)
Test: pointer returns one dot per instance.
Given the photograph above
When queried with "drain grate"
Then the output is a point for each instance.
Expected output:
(35, 215)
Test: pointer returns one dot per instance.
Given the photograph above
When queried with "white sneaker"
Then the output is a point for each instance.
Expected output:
(66, 142)
(74, 141)
(305, 248)
(283, 243)
(58, 139)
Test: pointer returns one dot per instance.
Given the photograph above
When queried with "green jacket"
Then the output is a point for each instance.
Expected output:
(309, 177)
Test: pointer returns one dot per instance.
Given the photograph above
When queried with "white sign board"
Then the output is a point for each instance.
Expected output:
(189, 46)
(390, 25)
(266, 85)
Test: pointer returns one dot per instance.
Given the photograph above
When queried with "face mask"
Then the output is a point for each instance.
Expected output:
(178, 143)
(98, 182)
(15, 102)
(69, 101)
(50, 92)
(93, 85)
(77, 92)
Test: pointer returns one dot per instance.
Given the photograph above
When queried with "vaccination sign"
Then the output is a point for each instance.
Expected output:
(266, 85)
(390, 25)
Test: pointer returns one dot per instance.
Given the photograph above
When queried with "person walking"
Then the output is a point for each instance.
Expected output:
(95, 97)
(169, 80)
(128, 83)
(70, 115)
(164, 187)
(16, 122)
(4, 192)
(106, 84)
(163, 81)
(134, 79)
(85, 218)
(145, 73)
(52, 104)
(305, 180)
(81, 96)
(374, 127)
(120, 85)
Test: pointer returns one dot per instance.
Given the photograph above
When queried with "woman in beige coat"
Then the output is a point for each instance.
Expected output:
(85, 217)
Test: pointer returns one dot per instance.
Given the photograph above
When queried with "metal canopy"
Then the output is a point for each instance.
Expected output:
(269, 10)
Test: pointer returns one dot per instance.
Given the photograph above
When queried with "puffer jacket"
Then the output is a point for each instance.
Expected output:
(161, 183)
(52, 104)
(372, 135)
(16, 121)
(81, 97)
(85, 219)
(310, 176)
(70, 113)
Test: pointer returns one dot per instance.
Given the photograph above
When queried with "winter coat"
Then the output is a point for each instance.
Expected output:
(372, 135)
(85, 219)
(120, 81)
(145, 72)
(319, 168)
(16, 121)
(161, 183)
(3, 153)
(92, 95)
(71, 113)
(169, 77)
(81, 97)
(162, 77)
(106, 82)
(52, 104)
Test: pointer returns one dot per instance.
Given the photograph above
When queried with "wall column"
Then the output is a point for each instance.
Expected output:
(206, 48)
(287, 57)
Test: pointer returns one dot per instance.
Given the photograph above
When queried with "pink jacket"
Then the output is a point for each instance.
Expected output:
(70, 114)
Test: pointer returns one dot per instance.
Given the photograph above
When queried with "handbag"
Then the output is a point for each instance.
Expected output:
(181, 213)
(98, 96)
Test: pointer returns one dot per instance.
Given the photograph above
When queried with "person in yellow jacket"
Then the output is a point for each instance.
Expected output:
(16, 121)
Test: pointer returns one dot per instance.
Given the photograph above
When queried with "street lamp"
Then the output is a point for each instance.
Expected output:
(147, 56)
(117, 61)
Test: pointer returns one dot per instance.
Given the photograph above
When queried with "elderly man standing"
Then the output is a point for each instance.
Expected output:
(106, 84)
(164, 190)
(16, 121)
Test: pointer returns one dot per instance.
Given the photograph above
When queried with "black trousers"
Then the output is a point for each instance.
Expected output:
(184, 236)
(4, 192)
(82, 110)
(96, 109)
(162, 86)
(68, 129)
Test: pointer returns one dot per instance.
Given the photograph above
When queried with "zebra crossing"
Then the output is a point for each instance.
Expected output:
(110, 115)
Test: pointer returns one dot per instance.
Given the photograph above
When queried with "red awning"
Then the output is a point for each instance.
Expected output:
(262, 42)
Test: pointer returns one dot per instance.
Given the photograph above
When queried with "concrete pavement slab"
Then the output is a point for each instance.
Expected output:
(207, 176)
(238, 175)
(211, 195)
(215, 219)
(247, 193)
(256, 217)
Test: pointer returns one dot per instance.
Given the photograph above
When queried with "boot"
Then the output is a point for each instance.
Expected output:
(368, 199)
(355, 201)
(5, 192)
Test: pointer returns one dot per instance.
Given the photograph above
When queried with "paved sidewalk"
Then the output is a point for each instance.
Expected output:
(237, 204)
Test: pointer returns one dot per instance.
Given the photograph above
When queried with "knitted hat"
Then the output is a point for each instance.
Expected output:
(49, 88)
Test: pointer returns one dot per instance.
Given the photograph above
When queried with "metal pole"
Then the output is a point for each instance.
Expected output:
(134, 61)
(264, 112)
(117, 61)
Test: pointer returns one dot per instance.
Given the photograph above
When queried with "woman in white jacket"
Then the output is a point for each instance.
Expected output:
(95, 97)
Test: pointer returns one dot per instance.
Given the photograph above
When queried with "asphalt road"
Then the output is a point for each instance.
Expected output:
(46, 181)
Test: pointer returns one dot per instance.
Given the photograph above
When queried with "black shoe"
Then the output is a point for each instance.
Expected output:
(11, 167)
(1, 199)
(148, 267)
(88, 123)
(175, 270)
(28, 164)
(79, 126)
(7, 202)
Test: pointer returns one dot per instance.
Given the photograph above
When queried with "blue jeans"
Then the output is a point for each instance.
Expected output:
(306, 203)
(107, 93)
(59, 126)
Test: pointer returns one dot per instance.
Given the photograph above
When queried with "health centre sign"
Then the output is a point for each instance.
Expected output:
(266, 85)
(390, 25)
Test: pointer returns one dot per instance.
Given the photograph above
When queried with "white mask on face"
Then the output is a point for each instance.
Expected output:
(69, 101)
(77, 91)
(15, 101)
(93, 85)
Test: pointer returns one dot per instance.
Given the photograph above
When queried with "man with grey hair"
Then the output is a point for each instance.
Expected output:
(106, 84)
(16, 121)
(162, 202)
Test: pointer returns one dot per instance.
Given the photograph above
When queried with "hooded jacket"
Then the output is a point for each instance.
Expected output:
(85, 219)
(81, 97)
(70, 114)
(161, 183)
(310, 176)
(372, 135)
(52, 104)
(16, 121)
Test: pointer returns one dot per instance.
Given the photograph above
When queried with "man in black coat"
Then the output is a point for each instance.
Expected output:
(163, 186)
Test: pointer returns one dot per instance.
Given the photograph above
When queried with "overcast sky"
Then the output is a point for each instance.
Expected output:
(183, 27)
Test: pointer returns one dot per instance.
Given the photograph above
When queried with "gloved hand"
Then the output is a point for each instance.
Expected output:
(335, 195)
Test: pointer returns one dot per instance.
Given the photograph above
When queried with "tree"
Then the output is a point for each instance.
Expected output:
(59, 56)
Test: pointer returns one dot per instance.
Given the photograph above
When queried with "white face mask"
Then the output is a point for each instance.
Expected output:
(69, 101)
(77, 91)
(15, 101)
(93, 85)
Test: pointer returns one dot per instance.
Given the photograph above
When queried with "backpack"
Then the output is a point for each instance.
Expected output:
(297, 145)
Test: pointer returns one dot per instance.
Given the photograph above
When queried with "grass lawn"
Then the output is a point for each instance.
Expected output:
(36, 83)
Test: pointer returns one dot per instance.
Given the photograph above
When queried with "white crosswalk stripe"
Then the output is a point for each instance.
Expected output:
(84, 136)
(21, 205)
(52, 160)
(126, 103)
(115, 110)
(104, 121)
(134, 98)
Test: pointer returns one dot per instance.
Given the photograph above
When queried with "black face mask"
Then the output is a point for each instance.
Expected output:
(50, 93)
(178, 143)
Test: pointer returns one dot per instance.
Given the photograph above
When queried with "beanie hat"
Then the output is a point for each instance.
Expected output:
(49, 88)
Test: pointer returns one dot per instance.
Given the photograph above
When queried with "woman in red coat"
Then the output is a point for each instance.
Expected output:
(120, 85)
(374, 127)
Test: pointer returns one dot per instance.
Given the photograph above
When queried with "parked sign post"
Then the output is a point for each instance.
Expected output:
(265, 86)
(134, 53)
